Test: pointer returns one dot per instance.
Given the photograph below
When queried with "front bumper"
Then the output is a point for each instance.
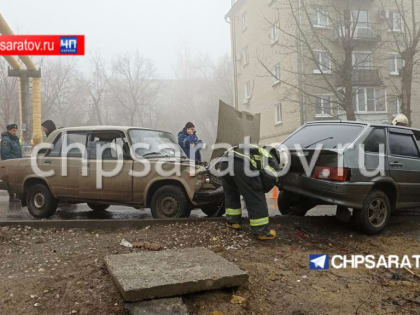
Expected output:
(209, 196)
(346, 194)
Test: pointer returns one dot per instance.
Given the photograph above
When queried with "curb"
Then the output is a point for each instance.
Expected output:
(105, 224)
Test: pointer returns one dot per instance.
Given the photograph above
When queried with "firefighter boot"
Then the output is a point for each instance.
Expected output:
(263, 233)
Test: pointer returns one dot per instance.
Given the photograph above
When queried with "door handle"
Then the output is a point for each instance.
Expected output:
(396, 164)
(47, 162)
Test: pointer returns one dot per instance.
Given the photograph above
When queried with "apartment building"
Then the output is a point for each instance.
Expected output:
(289, 56)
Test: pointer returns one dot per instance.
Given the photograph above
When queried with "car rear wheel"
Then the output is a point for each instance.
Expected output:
(214, 209)
(375, 214)
(293, 204)
(41, 203)
(98, 206)
(170, 202)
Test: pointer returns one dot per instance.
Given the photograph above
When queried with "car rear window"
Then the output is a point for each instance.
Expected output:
(329, 135)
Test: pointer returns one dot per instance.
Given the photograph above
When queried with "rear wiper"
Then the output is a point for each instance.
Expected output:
(316, 142)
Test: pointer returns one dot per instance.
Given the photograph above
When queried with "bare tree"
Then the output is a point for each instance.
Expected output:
(63, 92)
(326, 54)
(98, 88)
(134, 89)
(403, 24)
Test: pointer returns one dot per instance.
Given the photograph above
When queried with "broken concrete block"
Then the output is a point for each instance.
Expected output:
(157, 307)
(148, 275)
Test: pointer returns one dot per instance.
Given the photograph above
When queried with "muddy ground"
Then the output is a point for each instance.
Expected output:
(63, 272)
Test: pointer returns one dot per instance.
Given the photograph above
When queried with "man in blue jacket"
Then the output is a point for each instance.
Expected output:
(10, 148)
(188, 140)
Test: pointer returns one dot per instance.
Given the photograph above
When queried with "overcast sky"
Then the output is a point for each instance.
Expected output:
(159, 29)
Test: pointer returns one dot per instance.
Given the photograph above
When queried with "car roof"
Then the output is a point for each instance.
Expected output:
(367, 124)
(58, 131)
(100, 128)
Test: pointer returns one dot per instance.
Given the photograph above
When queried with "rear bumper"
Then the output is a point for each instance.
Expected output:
(345, 194)
(209, 196)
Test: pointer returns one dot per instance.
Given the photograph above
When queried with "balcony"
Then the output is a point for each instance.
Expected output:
(364, 77)
(361, 34)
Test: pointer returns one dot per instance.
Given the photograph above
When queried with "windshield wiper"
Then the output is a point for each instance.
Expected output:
(316, 142)
(152, 153)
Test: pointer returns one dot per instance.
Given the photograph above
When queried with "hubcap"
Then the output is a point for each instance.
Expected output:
(39, 200)
(377, 212)
(169, 206)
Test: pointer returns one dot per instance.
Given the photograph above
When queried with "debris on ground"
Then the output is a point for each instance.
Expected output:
(126, 243)
(147, 245)
(75, 277)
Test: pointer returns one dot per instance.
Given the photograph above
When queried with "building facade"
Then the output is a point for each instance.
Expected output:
(290, 60)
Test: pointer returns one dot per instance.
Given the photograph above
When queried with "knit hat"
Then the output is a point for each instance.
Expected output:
(12, 126)
(189, 125)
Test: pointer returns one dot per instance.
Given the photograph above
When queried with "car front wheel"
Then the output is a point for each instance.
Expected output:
(375, 214)
(41, 203)
(170, 202)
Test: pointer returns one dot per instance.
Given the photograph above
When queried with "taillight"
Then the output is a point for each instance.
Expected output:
(337, 174)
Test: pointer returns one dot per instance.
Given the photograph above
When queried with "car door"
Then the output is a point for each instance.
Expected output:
(65, 160)
(404, 165)
(118, 187)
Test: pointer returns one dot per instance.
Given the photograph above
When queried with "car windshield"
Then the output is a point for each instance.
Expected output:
(329, 135)
(151, 143)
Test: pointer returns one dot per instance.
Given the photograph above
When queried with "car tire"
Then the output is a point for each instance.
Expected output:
(98, 206)
(292, 204)
(214, 209)
(375, 214)
(41, 203)
(170, 202)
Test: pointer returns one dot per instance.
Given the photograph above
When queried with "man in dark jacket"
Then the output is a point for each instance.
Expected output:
(48, 127)
(188, 140)
(263, 161)
(11, 149)
(10, 145)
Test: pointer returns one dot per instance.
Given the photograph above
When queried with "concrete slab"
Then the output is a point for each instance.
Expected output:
(157, 307)
(148, 275)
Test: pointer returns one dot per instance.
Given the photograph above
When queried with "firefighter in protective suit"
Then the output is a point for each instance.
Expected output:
(400, 120)
(265, 162)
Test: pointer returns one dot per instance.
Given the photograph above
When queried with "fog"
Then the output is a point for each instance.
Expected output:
(156, 28)
(148, 63)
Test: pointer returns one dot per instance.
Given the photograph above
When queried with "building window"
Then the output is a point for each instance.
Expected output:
(396, 63)
(323, 106)
(361, 18)
(276, 74)
(369, 100)
(245, 56)
(248, 91)
(275, 33)
(244, 22)
(394, 102)
(323, 62)
(278, 114)
(363, 28)
(362, 60)
(395, 21)
(320, 17)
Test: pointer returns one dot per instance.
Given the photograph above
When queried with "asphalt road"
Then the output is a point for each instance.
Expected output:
(14, 211)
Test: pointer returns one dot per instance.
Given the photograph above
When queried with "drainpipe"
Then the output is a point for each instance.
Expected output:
(231, 21)
(300, 68)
